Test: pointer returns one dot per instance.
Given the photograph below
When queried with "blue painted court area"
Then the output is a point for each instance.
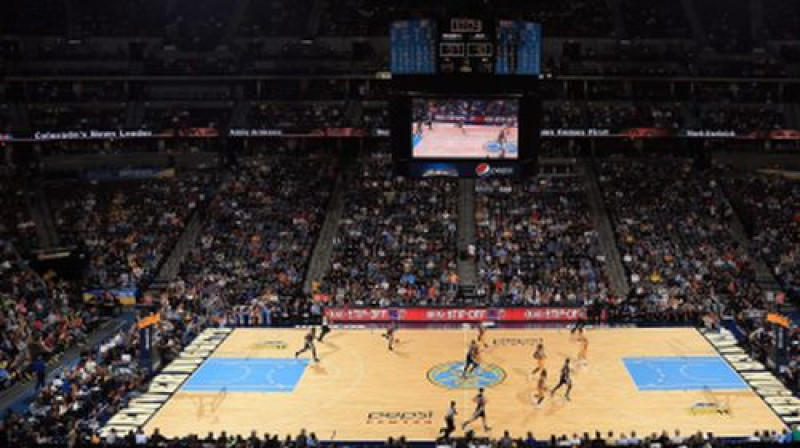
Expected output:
(683, 373)
(247, 375)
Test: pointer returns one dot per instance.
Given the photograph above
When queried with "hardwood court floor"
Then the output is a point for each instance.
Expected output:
(359, 387)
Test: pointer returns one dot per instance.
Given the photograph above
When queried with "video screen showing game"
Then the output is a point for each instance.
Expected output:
(465, 128)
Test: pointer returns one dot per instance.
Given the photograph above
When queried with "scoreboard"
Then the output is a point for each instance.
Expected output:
(465, 97)
(464, 46)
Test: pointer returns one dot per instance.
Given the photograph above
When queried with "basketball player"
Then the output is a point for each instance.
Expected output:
(482, 335)
(541, 388)
(460, 125)
(449, 421)
(480, 411)
(578, 326)
(418, 131)
(583, 351)
(565, 380)
(502, 138)
(471, 362)
(539, 356)
(309, 345)
(390, 334)
(325, 329)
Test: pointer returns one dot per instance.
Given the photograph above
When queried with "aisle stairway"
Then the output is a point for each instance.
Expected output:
(467, 271)
(323, 250)
(602, 223)
(764, 276)
(39, 211)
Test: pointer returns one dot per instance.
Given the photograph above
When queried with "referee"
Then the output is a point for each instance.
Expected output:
(449, 421)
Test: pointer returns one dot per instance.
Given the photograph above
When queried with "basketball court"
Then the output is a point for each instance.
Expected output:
(641, 380)
(446, 140)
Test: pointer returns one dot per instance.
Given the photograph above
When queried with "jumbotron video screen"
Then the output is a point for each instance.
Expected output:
(465, 128)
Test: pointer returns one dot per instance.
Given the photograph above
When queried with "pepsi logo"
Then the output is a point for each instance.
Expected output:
(483, 169)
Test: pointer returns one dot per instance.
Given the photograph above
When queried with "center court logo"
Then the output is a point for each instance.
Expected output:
(449, 375)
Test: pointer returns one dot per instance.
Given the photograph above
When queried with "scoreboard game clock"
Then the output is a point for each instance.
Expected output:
(465, 46)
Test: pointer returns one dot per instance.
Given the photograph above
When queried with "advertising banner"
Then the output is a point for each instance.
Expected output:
(351, 132)
(125, 296)
(422, 315)
(477, 169)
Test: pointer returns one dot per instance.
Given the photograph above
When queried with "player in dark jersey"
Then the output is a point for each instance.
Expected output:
(564, 380)
(541, 388)
(460, 125)
(471, 362)
(390, 334)
(309, 345)
(540, 356)
(480, 411)
(502, 139)
(325, 329)
(579, 326)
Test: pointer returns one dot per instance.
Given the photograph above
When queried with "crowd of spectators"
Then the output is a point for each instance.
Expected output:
(70, 409)
(613, 116)
(741, 118)
(40, 317)
(15, 222)
(396, 242)
(767, 205)
(181, 120)
(536, 244)
(258, 236)
(302, 116)
(673, 229)
(60, 117)
(126, 227)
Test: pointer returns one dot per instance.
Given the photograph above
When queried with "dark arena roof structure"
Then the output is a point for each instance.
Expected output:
(282, 224)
